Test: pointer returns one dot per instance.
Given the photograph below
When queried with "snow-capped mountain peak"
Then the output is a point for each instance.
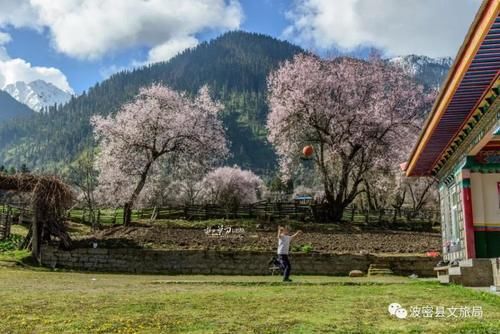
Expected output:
(429, 71)
(37, 94)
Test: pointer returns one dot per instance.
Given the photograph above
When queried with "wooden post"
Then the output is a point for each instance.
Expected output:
(8, 222)
(2, 226)
(35, 241)
(115, 214)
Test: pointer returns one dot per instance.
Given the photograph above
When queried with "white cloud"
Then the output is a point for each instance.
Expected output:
(171, 48)
(3, 55)
(89, 29)
(162, 52)
(430, 27)
(108, 71)
(18, 13)
(17, 69)
(4, 38)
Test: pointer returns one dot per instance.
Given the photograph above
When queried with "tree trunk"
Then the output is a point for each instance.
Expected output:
(337, 213)
(369, 198)
(335, 209)
(127, 208)
(127, 213)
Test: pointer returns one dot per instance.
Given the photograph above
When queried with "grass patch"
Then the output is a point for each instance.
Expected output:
(106, 217)
(10, 254)
(15, 255)
(19, 230)
(62, 302)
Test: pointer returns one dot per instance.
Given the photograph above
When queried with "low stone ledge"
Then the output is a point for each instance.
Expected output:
(225, 262)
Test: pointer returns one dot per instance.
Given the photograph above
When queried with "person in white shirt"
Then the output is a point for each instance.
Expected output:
(284, 240)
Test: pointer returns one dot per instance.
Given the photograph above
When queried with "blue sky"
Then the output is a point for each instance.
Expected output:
(75, 44)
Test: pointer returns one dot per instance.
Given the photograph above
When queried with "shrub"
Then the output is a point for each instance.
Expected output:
(13, 242)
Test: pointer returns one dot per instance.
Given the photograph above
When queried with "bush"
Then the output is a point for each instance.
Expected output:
(306, 248)
(11, 243)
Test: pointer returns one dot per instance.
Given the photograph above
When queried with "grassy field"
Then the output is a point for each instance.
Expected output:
(64, 302)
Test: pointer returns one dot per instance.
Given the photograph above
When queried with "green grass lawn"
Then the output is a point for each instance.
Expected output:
(65, 302)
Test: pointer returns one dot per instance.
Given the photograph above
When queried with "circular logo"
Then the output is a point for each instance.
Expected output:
(401, 313)
(393, 308)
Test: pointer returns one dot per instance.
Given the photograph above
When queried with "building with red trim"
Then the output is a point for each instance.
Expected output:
(460, 146)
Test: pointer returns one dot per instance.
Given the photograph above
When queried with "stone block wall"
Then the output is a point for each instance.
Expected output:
(224, 262)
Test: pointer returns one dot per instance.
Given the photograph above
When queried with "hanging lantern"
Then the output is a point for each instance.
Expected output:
(307, 151)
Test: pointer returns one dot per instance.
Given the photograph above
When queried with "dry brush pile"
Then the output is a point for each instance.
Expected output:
(50, 199)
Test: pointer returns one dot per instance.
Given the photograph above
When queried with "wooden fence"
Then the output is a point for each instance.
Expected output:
(12, 214)
(264, 210)
(5, 225)
(288, 210)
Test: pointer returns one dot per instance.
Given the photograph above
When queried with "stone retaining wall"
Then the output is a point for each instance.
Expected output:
(225, 262)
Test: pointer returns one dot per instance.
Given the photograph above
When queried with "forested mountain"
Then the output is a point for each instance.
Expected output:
(235, 66)
(10, 108)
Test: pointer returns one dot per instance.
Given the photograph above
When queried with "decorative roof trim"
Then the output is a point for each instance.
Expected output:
(483, 107)
(477, 32)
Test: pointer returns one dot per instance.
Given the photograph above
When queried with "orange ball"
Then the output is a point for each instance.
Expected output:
(307, 150)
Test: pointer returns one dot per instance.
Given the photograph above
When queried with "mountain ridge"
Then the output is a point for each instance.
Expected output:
(37, 94)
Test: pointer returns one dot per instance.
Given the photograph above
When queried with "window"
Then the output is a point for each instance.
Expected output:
(454, 202)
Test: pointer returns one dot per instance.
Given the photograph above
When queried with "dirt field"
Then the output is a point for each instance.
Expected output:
(161, 237)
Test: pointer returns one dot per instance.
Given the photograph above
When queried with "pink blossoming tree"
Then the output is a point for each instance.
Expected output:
(155, 132)
(356, 114)
(231, 186)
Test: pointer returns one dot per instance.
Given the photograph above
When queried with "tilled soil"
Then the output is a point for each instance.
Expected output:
(328, 242)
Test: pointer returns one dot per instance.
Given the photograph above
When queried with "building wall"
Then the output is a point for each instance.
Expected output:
(486, 213)
(485, 201)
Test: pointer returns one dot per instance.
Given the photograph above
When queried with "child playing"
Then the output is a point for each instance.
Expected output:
(283, 249)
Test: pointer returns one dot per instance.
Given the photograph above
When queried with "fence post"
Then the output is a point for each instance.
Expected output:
(436, 217)
(113, 220)
(8, 224)
(2, 226)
